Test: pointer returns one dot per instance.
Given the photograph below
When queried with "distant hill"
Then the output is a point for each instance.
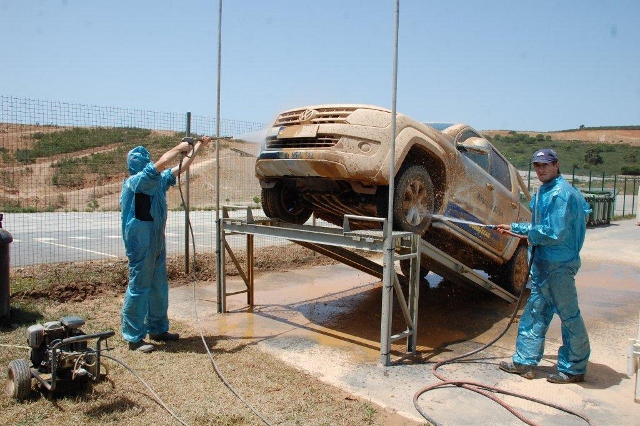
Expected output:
(629, 135)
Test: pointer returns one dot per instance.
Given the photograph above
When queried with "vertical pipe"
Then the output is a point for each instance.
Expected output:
(219, 245)
(250, 292)
(615, 186)
(187, 206)
(624, 196)
(387, 282)
(414, 294)
(633, 197)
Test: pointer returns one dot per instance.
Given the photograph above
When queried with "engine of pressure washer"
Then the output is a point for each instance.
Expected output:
(41, 337)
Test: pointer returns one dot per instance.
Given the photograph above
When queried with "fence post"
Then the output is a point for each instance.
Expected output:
(186, 206)
(624, 195)
(589, 179)
(529, 178)
(615, 194)
(573, 176)
(633, 196)
(602, 189)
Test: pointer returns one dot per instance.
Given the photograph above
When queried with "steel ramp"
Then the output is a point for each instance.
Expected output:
(451, 269)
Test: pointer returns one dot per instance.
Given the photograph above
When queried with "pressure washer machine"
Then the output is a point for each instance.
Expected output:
(59, 353)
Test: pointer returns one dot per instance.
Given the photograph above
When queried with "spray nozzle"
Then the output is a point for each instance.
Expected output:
(189, 140)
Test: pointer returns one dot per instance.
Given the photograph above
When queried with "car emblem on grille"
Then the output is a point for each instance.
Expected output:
(307, 115)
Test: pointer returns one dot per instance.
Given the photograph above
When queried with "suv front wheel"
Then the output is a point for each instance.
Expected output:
(413, 199)
(285, 202)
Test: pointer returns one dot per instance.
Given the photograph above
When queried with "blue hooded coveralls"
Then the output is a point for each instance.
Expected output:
(557, 231)
(144, 214)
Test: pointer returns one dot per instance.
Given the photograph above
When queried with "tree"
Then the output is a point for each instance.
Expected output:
(593, 156)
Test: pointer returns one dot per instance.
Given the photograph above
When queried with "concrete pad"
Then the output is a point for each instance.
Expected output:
(326, 321)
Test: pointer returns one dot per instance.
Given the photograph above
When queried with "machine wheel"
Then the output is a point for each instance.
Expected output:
(18, 383)
(284, 202)
(515, 274)
(413, 200)
(405, 265)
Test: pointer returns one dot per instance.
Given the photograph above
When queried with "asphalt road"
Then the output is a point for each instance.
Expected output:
(79, 236)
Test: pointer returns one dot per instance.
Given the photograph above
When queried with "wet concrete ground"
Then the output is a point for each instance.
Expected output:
(326, 321)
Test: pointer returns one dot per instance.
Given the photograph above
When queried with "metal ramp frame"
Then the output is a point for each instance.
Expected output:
(452, 269)
(334, 243)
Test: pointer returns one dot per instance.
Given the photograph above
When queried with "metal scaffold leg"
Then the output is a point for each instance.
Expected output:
(333, 242)
(633, 362)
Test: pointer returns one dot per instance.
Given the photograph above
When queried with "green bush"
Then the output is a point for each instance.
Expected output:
(630, 170)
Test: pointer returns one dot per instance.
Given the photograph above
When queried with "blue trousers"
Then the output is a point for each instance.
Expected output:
(146, 300)
(557, 295)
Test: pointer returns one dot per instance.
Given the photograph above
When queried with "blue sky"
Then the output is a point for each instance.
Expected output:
(519, 65)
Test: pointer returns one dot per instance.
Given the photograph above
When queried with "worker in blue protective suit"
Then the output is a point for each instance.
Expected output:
(144, 214)
(556, 232)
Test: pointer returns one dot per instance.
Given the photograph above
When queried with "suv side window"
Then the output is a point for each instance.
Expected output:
(466, 135)
(499, 169)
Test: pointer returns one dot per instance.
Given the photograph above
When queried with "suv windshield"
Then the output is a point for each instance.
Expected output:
(440, 126)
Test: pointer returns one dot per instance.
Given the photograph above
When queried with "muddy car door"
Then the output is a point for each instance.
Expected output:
(473, 197)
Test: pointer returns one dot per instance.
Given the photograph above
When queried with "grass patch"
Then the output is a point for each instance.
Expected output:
(180, 372)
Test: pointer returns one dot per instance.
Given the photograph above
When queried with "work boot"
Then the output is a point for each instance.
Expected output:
(526, 371)
(563, 378)
(164, 337)
(141, 346)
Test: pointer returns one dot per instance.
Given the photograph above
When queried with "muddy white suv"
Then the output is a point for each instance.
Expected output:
(332, 160)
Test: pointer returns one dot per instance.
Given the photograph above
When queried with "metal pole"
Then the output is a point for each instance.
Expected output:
(219, 244)
(589, 179)
(186, 206)
(387, 282)
(602, 188)
(573, 176)
(633, 197)
(615, 195)
(624, 196)
(529, 178)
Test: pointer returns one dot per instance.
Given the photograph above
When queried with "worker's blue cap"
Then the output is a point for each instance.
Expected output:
(137, 159)
(546, 155)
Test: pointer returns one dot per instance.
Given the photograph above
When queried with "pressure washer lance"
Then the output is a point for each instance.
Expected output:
(466, 222)
(192, 141)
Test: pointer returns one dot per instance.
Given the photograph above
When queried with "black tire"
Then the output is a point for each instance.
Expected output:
(405, 266)
(285, 203)
(18, 383)
(514, 275)
(413, 200)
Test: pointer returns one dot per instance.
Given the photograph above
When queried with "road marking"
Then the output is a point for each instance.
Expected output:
(48, 241)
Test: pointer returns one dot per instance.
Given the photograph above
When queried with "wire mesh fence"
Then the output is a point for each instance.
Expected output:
(63, 165)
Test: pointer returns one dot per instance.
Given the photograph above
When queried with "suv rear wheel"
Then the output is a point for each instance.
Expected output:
(284, 202)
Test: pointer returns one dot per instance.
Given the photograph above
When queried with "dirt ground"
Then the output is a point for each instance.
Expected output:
(182, 374)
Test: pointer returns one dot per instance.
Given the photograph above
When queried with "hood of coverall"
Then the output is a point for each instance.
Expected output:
(137, 159)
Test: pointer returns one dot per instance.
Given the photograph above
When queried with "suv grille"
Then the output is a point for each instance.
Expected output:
(322, 141)
(319, 116)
